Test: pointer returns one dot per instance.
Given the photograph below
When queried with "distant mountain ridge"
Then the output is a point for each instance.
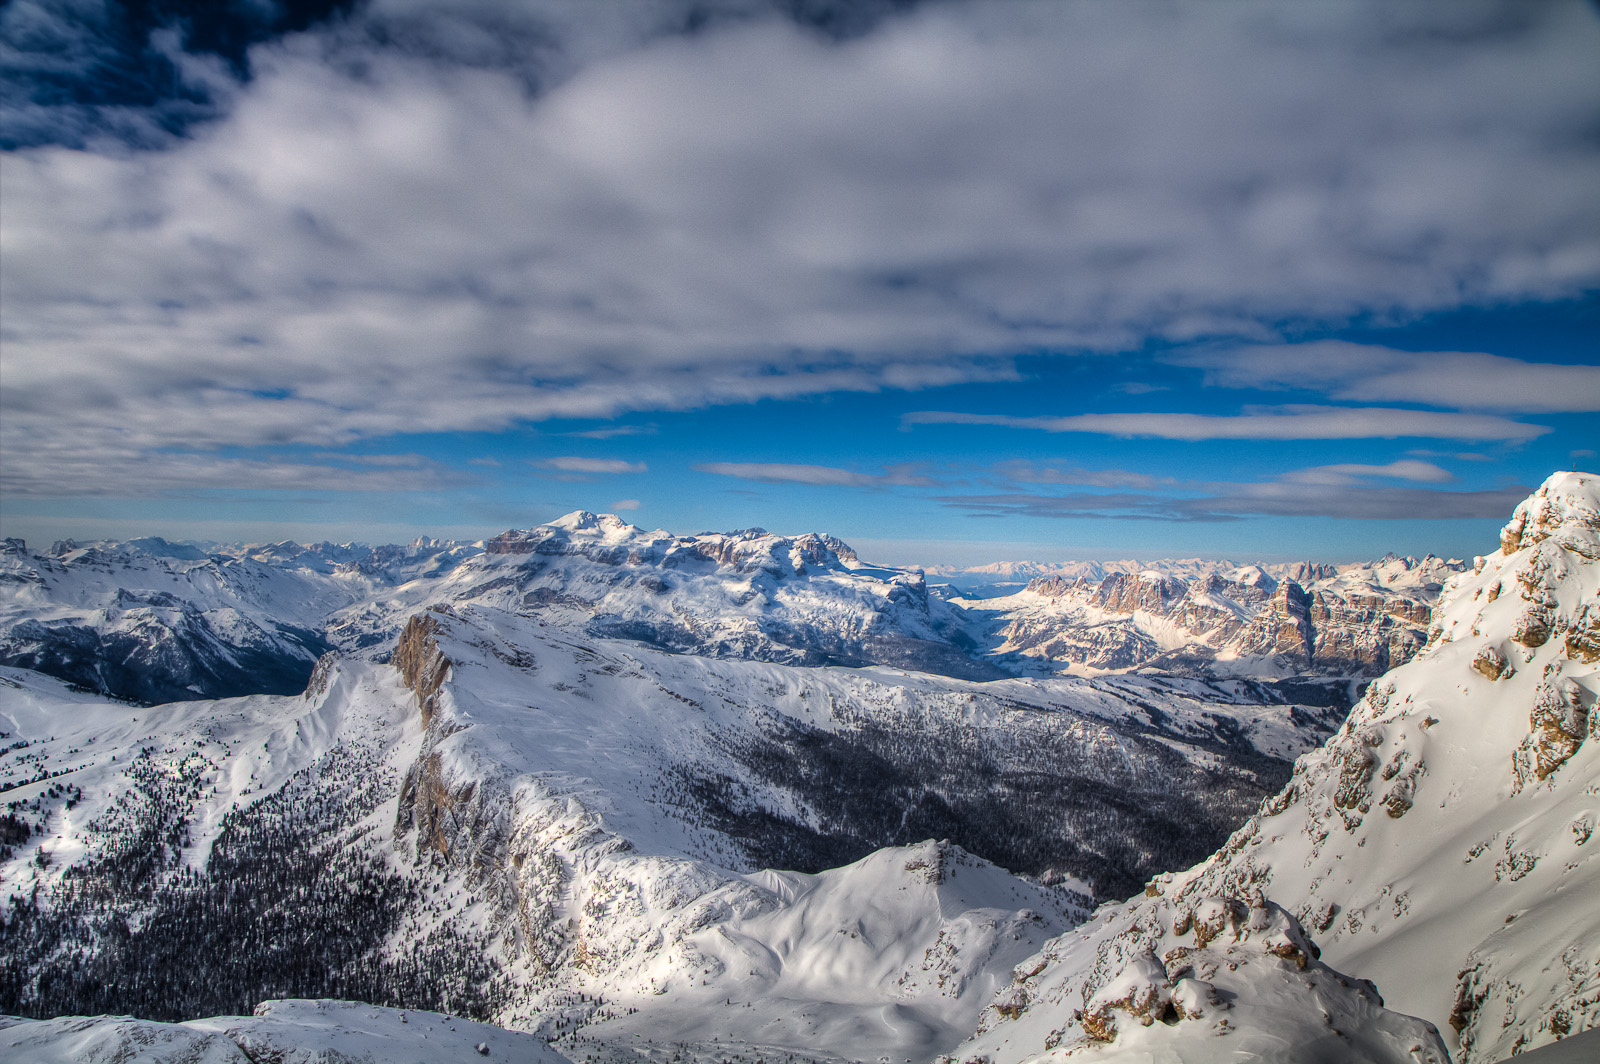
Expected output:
(149, 620)
(1308, 619)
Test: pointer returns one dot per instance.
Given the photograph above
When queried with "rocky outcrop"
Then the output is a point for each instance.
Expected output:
(1167, 974)
(1559, 723)
(512, 542)
(453, 815)
(1127, 592)
(423, 666)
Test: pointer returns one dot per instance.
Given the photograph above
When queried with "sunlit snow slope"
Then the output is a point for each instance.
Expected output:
(283, 1032)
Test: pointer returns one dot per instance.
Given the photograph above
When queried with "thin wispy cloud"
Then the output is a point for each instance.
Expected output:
(1460, 380)
(577, 464)
(1028, 473)
(1349, 472)
(1459, 456)
(816, 475)
(1291, 422)
(1344, 490)
(614, 432)
(130, 475)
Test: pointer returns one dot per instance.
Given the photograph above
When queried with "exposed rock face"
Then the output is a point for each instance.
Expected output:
(1125, 593)
(1359, 622)
(449, 815)
(1559, 723)
(1492, 663)
(421, 663)
(510, 543)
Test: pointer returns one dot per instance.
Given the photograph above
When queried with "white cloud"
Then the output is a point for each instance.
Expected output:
(625, 504)
(1293, 495)
(1028, 473)
(1294, 422)
(575, 464)
(1348, 472)
(1335, 490)
(822, 476)
(408, 239)
(614, 431)
(1462, 380)
(132, 474)
(1460, 456)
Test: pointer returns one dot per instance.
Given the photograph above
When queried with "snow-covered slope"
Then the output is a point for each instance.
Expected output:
(811, 767)
(152, 621)
(284, 1032)
(1441, 844)
(331, 842)
(523, 822)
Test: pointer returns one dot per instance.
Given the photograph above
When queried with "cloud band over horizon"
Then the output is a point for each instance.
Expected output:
(269, 256)
(415, 243)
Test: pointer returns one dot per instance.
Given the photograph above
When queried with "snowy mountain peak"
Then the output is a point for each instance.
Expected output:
(605, 524)
(577, 520)
(1566, 506)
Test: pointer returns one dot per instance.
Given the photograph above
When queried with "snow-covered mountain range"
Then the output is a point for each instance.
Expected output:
(585, 822)
(523, 795)
(151, 621)
(1224, 620)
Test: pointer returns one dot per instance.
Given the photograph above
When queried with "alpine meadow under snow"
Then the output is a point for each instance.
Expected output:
(605, 788)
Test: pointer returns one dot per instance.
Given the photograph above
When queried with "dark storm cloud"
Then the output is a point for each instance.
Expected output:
(78, 72)
(425, 230)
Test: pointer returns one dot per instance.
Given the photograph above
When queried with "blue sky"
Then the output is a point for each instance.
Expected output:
(957, 282)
